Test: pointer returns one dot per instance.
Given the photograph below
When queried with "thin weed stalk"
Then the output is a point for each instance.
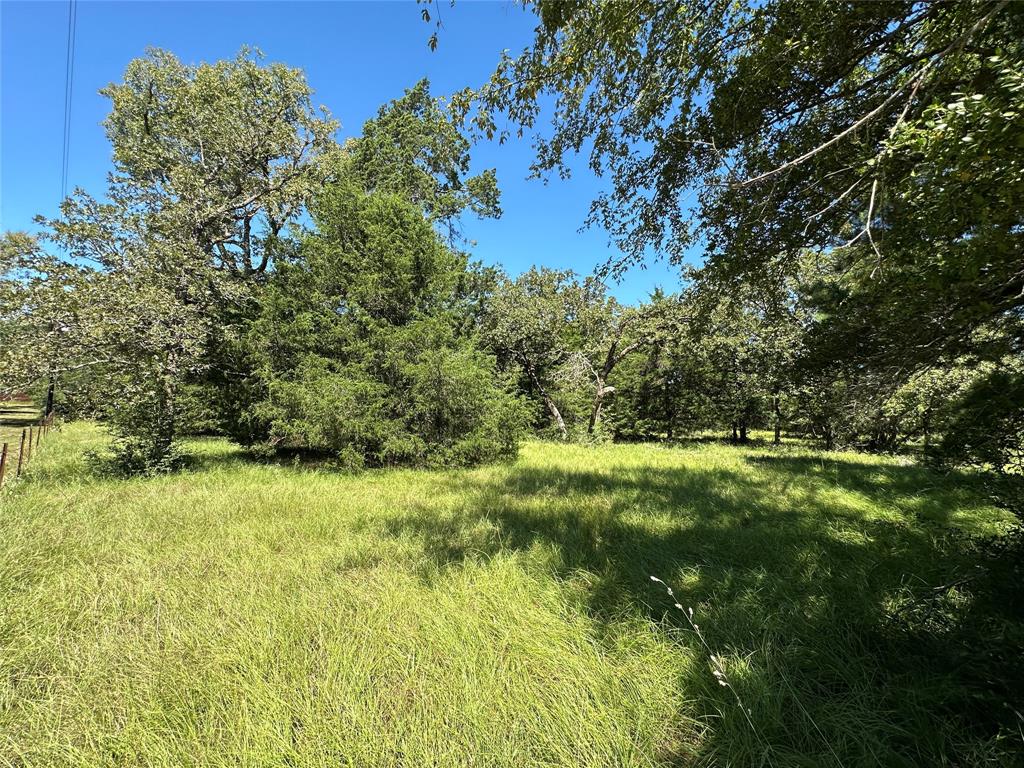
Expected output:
(717, 668)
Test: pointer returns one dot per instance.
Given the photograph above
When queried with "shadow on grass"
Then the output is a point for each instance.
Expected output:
(796, 565)
(792, 562)
(19, 414)
(14, 417)
(629, 523)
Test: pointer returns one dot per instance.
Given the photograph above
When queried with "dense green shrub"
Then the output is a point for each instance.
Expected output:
(986, 427)
(363, 347)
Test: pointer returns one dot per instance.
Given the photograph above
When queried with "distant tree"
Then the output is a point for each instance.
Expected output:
(528, 325)
(564, 337)
(661, 391)
(735, 385)
(362, 345)
(712, 360)
(624, 331)
(415, 149)
(211, 164)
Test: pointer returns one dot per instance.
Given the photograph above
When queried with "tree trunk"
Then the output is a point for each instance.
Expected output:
(49, 395)
(743, 432)
(735, 435)
(778, 419)
(610, 361)
(552, 408)
(556, 415)
(595, 410)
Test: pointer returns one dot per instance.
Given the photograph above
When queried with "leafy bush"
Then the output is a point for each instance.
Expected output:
(986, 427)
(363, 349)
(132, 455)
(445, 408)
(143, 418)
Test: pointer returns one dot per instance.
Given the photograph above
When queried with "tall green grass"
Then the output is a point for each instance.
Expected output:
(249, 614)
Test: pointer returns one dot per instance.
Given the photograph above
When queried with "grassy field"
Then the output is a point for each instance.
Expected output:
(249, 614)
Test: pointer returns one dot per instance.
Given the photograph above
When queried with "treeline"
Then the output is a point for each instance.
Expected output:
(248, 276)
(761, 356)
(245, 274)
(852, 174)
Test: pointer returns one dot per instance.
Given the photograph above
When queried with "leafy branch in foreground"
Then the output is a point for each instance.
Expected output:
(885, 137)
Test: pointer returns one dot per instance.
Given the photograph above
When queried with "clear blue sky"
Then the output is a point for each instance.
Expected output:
(356, 56)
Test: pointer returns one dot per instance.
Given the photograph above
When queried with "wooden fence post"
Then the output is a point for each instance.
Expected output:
(3, 463)
(21, 452)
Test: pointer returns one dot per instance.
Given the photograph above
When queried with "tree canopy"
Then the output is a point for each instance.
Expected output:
(885, 134)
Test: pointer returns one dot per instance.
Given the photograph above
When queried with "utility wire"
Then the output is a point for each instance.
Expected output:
(69, 85)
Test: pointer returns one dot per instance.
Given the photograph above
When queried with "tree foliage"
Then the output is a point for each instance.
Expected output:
(365, 345)
(415, 149)
(563, 337)
(361, 348)
(888, 132)
(225, 153)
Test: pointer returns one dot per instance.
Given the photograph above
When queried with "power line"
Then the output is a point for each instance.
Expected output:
(69, 85)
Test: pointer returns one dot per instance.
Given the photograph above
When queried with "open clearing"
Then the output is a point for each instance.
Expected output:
(250, 614)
